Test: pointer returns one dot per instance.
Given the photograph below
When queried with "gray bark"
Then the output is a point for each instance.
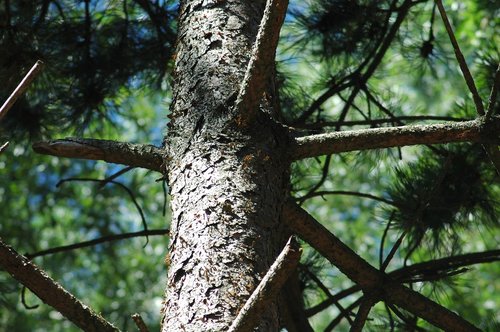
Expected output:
(228, 182)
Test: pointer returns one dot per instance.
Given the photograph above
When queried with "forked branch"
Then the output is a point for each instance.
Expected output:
(50, 292)
(370, 279)
(136, 155)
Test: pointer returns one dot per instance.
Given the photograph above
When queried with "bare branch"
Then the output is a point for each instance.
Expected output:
(493, 94)
(461, 60)
(347, 193)
(366, 139)
(362, 314)
(366, 276)
(268, 288)
(21, 88)
(261, 62)
(4, 146)
(50, 292)
(444, 265)
(104, 239)
(376, 122)
(136, 155)
(139, 322)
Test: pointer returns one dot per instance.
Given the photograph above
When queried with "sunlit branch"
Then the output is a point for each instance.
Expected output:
(268, 288)
(21, 88)
(261, 62)
(50, 292)
(366, 276)
(104, 239)
(136, 155)
(366, 139)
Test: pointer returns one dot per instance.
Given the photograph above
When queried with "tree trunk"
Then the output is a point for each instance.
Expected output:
(228, 180)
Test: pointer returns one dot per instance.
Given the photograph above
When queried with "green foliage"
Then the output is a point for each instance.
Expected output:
(444, 194)
(92, 50)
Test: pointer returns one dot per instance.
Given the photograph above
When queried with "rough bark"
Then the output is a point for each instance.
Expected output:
(228, 181)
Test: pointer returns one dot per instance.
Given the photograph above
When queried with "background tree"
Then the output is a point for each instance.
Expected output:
(341, 64)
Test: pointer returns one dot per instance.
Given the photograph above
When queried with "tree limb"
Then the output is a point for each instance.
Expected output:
(21, 88)
(50, 292)
(104, 239)
(366, 139)
(362, 315)
(366, 276)
(268, 288)
(461, 60)
(136, 155)
(261, 62)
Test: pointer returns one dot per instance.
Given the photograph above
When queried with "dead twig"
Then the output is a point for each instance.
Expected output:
(21, 88)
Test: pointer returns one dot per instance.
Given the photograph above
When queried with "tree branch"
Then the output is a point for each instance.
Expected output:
(109, 238)
(461, 60)
(268, 288)
(366, 276)
(50, 292)
(136, 155)
(366, 139)
(21, 88)
(362, 315)
(437, 266)
(261, 62)
(376, 122)
(493, 94)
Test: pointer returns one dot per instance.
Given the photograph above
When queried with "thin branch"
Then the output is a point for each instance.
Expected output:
(339, 318)
(437, 266)
(366, 276)
(139, 322)
(261, 62)
(104, 239)
(376, 122)
(335, 298)
(393, 251)
(136, 155)
(493, 94)
(4, 147)
(21, 88)
(461, 60)
(347, 193)
(268, 288)
(120, 185)
(366, 139)
(367, 304)
(324, 175)
(327, 293)
(50, 292)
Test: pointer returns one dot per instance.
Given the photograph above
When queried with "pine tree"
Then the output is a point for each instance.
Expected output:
(248, 124)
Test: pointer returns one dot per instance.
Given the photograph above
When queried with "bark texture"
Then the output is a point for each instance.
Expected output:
(227, 180)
